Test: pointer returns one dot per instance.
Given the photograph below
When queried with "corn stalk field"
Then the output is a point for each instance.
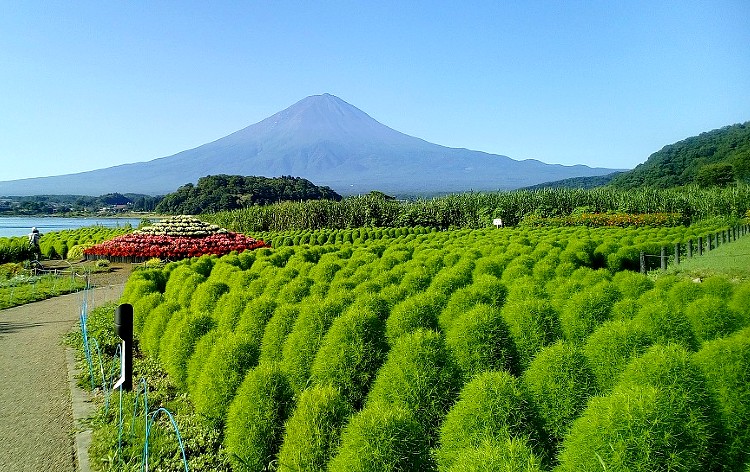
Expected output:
(477, 210)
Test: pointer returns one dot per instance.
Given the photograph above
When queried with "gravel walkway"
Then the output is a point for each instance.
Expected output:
(36, 423)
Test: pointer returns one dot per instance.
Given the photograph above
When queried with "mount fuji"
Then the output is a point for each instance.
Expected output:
(325, 140)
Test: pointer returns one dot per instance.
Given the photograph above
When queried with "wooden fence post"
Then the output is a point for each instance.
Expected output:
(643, 262)
(663, 258)
(700, 245)
(690, 248)
(677, 254)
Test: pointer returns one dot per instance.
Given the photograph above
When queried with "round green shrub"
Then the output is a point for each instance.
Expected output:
(586, 310)
(170, 332)
(206, 295)
(417, 311)
(452, 278)
(136, 288)
(612, 346)
(559, 382)
(202, 265)
(229, 308)
(231, 356)
(142, 309)
(504, 455)
(726, 365)
(480, 340)
(295, 290)
(188, 288)
(666, 323)
(632, 284)
(153, 327)
(351, 352)
(635, 428)
(255, 420)
(254, 317)
(490, 407)
(383, 438)
(277, 329)
(302, 344)
(420, 375)
(313, 432)
(533, 323)
(711, 318)
(181, 344)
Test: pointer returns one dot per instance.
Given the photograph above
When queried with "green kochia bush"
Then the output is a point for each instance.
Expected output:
(304, 341)
(505, 455)
(612, 346)
(254, 317)
(351, 352)
(586, 310)
(154, 326)
(221, 374)
(559, 382)
(383, 438)
(533, 323)
(313, 432)
(255, 422)
(490, 407)
(181, 343)
(206, 295)
(660, 416)
(276, 331)
(420, 375)
(726, 365)
(415, 312)
(480, 340)
(711, 318)
(666, 323)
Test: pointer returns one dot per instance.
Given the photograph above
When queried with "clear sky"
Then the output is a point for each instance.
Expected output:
(87, 85)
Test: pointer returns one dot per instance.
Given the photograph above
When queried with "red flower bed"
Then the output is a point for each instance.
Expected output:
(173, 247)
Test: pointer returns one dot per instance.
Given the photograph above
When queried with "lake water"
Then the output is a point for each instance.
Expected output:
(21, 225)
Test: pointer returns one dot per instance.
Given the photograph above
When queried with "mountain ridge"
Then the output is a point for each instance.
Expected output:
(323, 139)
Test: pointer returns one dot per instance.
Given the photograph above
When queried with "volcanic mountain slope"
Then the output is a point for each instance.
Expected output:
(325, 140)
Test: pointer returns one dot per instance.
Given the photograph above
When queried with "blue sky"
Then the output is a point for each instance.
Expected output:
(87, 85)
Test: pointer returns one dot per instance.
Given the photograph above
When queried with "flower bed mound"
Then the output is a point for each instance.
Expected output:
(174, 238)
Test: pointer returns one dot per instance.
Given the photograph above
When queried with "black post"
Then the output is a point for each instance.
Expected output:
(677, 254)
(663, 258)
(724, 236)
(700, 245)
(690, 248)
(643, 262)
(710, 241)
(124, 328)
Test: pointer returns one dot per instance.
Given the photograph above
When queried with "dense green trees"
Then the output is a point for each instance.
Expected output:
(229, 192)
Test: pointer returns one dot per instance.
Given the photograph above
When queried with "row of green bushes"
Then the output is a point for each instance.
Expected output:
(457, 350)
(65, 244)
(477, 210)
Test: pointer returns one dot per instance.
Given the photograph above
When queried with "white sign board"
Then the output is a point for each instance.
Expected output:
(497, 222)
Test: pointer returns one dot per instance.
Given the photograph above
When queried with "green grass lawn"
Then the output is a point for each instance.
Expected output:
(730, 259)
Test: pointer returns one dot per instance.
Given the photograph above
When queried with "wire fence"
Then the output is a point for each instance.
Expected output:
(108, 373)
(691, 248)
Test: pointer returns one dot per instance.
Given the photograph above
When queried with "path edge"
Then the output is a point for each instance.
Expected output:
(83, 408)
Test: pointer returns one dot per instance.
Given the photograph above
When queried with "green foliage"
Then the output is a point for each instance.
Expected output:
(711, 318)
(181, 344)
(313, 432)
(303, 342)
(559, 382)
(533, 324)
(383, 438)
(222, 372)
(664, 323)
(419, 375)
(255, 316)
(505, 455)
(275, 333)
(229, 192)
(586, 310)
(480, 340)
(612, 346)
(659, 417)
(206, 295)
(490, 407)
(154, 326)
(726, 365)
(255, 421)
(415, 312)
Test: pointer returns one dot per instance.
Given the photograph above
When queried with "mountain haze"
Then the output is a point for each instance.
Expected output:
(325, 140)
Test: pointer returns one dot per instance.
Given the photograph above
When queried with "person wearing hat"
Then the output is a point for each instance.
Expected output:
(34, 242)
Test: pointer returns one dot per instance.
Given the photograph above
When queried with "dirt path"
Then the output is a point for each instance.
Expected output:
(36, 423)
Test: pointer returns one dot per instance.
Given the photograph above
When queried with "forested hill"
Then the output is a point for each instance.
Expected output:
(718, 157)
(231, 192)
